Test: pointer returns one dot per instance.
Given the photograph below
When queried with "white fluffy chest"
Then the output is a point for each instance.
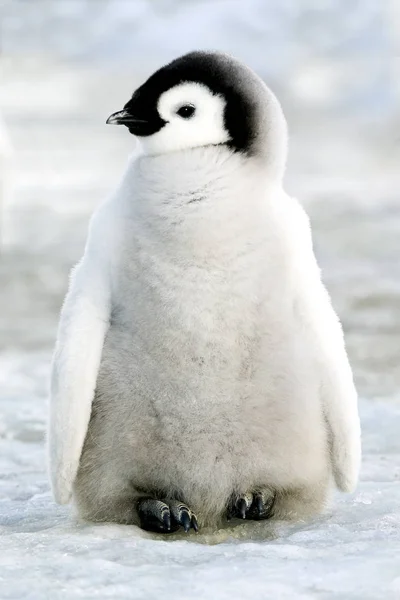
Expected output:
(189, 310)
(201, 264)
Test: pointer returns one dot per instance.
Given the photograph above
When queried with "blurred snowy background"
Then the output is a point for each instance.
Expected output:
(65, 66)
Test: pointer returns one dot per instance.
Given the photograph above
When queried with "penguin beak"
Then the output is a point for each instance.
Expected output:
(136, 126)
(122, 117)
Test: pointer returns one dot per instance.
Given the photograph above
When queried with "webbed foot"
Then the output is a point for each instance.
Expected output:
(255, 506)
(165, 516)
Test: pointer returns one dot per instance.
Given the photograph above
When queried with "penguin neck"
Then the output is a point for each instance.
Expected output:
(182, 178)
(199, 204)
(187, 171)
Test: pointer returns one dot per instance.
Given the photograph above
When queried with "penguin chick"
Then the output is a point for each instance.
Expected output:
(200, 371)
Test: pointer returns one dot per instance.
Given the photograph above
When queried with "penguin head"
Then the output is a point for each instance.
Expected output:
(204, 99)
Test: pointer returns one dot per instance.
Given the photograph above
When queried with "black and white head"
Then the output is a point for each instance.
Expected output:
(205, 99)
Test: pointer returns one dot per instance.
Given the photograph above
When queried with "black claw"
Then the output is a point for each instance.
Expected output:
(259, 504)
(185, 520)
(166, 518)
(256, 507)
(262, 506)
(241, 507)
(155, 516)
(194, 524)
(181, 514)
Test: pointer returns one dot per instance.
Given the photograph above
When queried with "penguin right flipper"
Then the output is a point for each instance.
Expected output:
(82, 329)
(323, 330)
(339, 397)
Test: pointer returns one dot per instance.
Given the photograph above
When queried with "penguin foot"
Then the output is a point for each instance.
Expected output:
(165, 517)
(255, 506)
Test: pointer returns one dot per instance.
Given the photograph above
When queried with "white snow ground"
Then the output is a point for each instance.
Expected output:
(352, 552)
(67, 161)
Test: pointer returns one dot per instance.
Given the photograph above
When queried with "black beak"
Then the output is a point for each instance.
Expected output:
(136, 126)
(122, 117)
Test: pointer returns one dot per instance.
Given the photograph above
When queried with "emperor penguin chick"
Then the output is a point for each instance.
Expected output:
(200, 371)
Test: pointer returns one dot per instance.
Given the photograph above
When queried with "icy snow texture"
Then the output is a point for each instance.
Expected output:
(68, 161)
(352, 552)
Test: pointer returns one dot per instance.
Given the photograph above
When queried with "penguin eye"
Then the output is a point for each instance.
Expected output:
(186, 111)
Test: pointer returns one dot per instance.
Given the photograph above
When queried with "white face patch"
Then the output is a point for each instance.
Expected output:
(194, 117)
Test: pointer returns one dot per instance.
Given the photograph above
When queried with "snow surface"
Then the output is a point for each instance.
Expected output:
(351, 552)
(66, 161)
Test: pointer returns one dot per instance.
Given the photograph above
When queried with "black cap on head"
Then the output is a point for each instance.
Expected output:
(224, 76)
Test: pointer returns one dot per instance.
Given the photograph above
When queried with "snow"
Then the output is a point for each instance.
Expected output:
(351, 552)
(66, 161)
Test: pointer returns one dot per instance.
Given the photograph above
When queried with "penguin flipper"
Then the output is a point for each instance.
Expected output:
(324, 332)
(82, 329)
(338, 393)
